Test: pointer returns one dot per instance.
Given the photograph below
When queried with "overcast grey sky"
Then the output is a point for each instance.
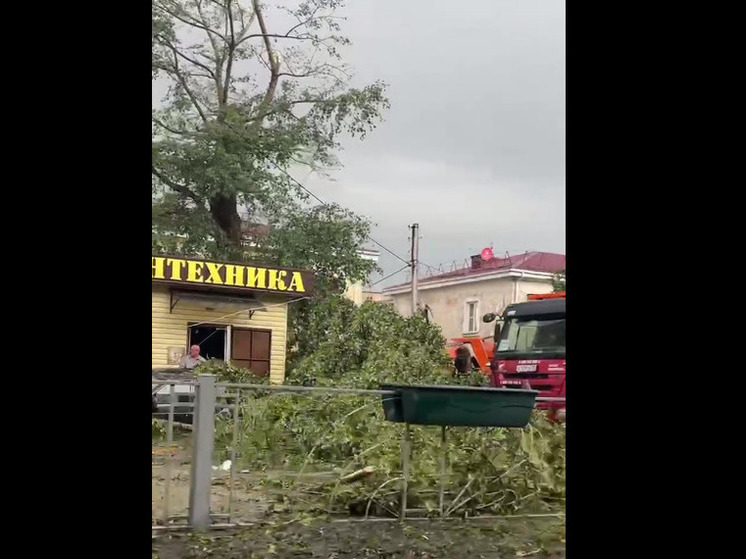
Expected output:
(473, 147)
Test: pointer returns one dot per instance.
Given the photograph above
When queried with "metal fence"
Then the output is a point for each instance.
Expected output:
(171, 455)
(215, 462)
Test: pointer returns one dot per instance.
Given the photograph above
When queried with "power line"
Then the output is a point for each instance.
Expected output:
(387, 250)
(393, 274)
(288, 175)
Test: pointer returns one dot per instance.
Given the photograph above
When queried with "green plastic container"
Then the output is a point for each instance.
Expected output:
(461, 406)
(392, 405)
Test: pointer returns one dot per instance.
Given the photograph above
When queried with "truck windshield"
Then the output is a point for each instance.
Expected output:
(534, 335)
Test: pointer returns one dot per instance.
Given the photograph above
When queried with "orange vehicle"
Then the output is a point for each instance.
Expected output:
(471, 353)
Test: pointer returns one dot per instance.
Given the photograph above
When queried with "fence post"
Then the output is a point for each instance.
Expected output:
(204, 440)
(406, 454)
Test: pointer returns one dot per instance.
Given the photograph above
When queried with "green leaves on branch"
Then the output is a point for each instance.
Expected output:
(249, 92)
(226, 372)
(491, 471)
(334, 341)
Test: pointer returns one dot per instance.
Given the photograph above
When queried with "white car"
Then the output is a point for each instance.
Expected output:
(161, 393)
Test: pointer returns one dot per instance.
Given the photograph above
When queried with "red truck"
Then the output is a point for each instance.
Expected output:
(530, 349)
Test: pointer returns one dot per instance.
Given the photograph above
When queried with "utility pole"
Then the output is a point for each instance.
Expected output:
(415, 255)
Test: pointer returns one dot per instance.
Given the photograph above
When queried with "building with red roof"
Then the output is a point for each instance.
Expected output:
(457, 300)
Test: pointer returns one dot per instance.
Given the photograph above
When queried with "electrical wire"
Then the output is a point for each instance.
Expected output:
(392, 274)
(288, 175)
(390, 252)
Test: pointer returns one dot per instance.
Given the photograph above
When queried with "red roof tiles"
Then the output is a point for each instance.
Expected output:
(548, 262)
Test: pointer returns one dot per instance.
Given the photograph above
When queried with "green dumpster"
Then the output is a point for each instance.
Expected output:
(392, 404)
(465, 406)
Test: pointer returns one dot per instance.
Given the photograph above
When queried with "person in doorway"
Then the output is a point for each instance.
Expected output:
(193, 359)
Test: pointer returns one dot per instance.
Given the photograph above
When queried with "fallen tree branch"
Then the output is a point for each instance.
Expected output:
(187, 426)
(358, 475)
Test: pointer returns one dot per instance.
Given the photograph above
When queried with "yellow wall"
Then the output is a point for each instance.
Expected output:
(354, 292)
(170, 328)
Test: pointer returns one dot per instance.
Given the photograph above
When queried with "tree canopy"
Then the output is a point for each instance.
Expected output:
(250, 90)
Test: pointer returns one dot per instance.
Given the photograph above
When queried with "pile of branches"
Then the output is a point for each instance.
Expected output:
(489, 470)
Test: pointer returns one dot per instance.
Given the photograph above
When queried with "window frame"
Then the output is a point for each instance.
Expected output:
(465, 325)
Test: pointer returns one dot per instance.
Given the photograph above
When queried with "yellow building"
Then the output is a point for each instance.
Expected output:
(235, 312)
(356, 292)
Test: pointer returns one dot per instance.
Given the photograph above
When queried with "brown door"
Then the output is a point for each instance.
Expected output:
(250, 349)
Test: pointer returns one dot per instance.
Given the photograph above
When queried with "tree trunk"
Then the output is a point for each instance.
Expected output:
(225, 214)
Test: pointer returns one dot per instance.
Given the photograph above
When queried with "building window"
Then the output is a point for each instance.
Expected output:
(211, 339)
(251, 349)
(471, 314)
(243, 347)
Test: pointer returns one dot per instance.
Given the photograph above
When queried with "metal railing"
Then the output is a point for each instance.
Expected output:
(220, 416)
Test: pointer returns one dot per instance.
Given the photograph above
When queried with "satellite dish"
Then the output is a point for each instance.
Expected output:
(487, 254)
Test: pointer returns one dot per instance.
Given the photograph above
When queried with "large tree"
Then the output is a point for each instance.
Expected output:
(249, 91)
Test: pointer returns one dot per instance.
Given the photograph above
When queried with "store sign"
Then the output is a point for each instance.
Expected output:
(186, 271)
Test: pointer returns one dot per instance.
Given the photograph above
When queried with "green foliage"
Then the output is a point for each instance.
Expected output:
(303, 239)
(558, 281)
(333, 340)
(239, 109)
(342, 345)
(474, 378)
(506, 470)
(226, 372)
(159, 431)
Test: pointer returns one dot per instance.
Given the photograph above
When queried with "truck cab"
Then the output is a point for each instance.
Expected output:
(530, 349)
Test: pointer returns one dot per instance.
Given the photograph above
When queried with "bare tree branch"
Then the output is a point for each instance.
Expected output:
(168, 44)
(292, 75)
(170, 129)
(274, 36)
(198, 75)
(287, 35)
(191, 21)
(274, 66)
(180, 188)
(187, 89)
(311, 101)
(292, 103)
(215, 50)
(231, 53)
(302, 23)
(321, 69)
(245, 26)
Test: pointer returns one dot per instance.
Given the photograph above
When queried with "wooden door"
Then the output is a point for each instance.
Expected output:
(251, 349)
